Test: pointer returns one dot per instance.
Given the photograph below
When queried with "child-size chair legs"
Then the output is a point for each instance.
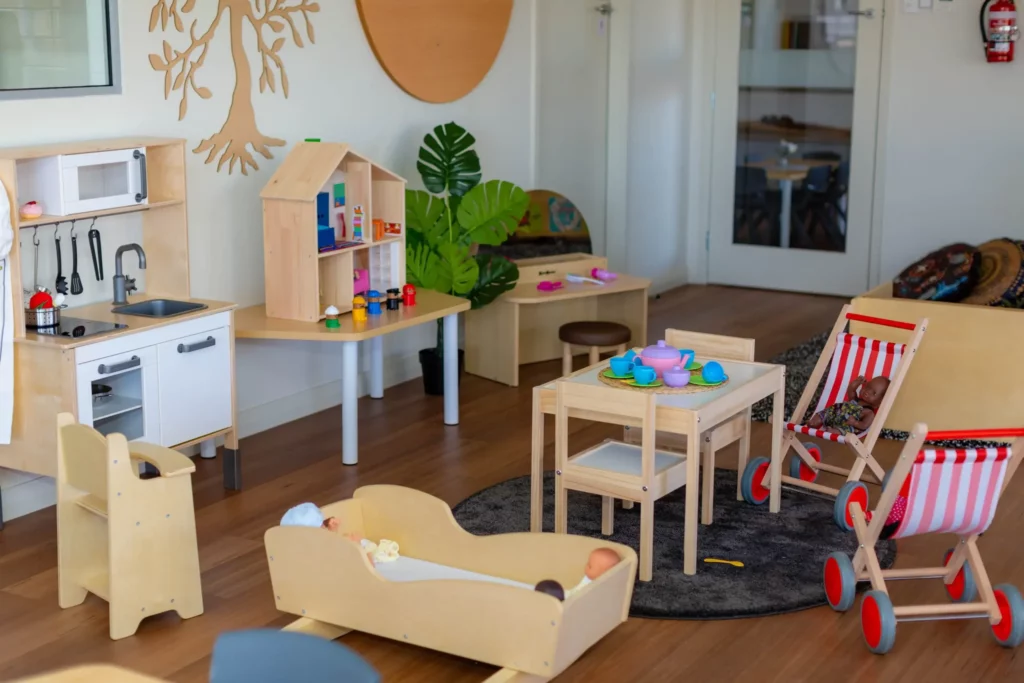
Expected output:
(707, 511)
(566, 360)
(744, 455)
(607, 515)
(595, 355)
(561, 506)
(69, 594)
(627, 505)
(646, 540)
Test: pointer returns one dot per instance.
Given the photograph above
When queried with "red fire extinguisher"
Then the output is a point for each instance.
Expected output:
(999, 29)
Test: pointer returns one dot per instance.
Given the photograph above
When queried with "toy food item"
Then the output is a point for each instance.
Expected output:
(660, 357)
(713, 372)
(552, 588)
(332, 318)
(409, 295)
(676, 377)
(31, 210)
(41, 300)
(602, 274)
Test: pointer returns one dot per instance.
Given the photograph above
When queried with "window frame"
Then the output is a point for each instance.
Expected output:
(114, 62)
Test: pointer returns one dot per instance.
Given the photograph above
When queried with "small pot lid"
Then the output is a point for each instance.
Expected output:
(660, 350)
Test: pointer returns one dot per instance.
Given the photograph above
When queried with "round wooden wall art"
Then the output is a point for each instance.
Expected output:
(436, 50)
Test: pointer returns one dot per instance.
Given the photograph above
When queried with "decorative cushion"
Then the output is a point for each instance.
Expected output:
(594, 333)
(1001, 276)
(947, 274)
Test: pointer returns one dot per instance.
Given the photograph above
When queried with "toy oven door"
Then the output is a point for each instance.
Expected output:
(104, 180)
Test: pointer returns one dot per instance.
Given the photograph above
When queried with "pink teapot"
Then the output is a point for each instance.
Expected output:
(662, 357)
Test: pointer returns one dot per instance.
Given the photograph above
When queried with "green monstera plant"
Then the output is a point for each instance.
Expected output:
(446, 224)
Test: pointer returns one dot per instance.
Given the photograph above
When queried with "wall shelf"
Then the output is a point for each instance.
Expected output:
(50, 220)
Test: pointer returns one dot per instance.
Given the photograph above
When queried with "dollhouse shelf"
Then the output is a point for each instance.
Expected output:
(50, 220)
(300, 281)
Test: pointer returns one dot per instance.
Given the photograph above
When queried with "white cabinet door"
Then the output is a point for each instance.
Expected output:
(126, 401)
(195, 386)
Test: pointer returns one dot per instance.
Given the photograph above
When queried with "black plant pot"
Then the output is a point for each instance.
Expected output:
(432, 365)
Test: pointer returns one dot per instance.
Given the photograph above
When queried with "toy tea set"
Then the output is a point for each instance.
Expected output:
(663, 369)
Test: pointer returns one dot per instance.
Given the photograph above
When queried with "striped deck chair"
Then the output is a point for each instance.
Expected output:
(851, 356)
(933, 491)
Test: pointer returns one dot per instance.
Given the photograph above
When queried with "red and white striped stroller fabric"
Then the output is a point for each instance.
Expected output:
(954, 491)
(854, 356)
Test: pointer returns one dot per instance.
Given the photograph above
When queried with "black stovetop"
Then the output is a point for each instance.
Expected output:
(78, 327)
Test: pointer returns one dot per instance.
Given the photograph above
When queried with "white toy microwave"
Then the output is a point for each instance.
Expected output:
(78, 183)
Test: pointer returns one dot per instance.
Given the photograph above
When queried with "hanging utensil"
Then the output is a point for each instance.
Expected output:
(96, 247)
(76, 279)
(62, 284)
(35, 260)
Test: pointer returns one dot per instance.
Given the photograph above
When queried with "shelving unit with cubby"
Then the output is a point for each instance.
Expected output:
(302, 281)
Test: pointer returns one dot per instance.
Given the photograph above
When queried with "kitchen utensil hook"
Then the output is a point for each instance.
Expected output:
(35, 236)
(73, 229)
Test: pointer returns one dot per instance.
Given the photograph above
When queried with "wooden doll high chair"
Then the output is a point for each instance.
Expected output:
(736, 428)
(128, 540)
(938, 490)
(614, 469)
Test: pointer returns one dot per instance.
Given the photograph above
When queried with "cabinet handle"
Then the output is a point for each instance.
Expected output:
(132, 362)
(141, 158)
(197, 346)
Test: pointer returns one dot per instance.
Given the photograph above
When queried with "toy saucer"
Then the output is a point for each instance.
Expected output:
(653, 385)
(701, 382)
(694, 366)
(610, 374)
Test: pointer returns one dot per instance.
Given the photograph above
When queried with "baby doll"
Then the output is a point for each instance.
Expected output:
(600, 561)
(857, 412)
(308, 514)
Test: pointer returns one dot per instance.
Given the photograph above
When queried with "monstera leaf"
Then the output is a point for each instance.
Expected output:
(489, 213)
(497, 276)
(427, 218)
(422, 266)
(446, 162)
(457, 271)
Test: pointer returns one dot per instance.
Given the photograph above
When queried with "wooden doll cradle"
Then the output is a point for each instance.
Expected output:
(327, 580)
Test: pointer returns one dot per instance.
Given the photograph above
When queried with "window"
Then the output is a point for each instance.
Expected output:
(58, 48)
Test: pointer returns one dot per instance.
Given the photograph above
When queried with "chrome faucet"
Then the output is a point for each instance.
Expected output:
(124, 285)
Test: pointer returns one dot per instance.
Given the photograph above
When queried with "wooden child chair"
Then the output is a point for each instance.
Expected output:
(936, 491)
(128, 540)
(614, 469)
(736, 428)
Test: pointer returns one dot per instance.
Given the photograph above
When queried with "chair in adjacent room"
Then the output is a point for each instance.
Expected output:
(754, 207)
(128, 540)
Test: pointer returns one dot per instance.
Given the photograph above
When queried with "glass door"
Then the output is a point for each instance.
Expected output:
(796, 96)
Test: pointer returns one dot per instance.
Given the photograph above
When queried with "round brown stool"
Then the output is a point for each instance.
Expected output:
(597, 336)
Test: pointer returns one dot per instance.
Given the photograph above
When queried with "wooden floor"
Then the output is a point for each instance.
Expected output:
(404, 441)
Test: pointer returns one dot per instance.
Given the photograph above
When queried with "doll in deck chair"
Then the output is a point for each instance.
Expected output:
(857, 412)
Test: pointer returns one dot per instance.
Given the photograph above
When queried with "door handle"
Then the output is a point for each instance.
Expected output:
(144, 194)
(132, 362)
(197, 346)
(866, 13)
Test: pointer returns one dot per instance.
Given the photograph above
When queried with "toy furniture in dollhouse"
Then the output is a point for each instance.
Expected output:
(521, 326)
(851, 356)
(940, 491)
(127, 540)
(327, 189)
(473, 611)
(614, 469)
(736, 429)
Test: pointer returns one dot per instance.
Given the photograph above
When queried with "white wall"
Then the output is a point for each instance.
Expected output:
(338, 92)
(952, 164)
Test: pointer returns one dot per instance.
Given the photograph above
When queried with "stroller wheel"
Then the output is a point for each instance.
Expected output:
(755, 483)
(798, 469)
(852, 492)
(878, 622)
(1009, 632)
(840, 582)
(962, 589)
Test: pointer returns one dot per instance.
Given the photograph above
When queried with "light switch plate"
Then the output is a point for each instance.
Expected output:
(910, 6)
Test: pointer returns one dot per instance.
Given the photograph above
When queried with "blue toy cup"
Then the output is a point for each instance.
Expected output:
(693, 355)
(644, 375)
(630, 356)
(622, 367)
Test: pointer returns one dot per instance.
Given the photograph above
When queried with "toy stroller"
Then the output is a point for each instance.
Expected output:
(852, 356)
(933, 491)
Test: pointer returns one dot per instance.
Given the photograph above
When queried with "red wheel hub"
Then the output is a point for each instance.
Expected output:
(806, 473)
(1003, 629)
(871, 622)
(833, 582)
(956, 587)
(757, 487)
(857, 495)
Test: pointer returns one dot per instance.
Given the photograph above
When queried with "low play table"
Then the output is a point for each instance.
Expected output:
(688, 415)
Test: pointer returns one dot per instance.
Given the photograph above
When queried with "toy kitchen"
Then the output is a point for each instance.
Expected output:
(154, 365)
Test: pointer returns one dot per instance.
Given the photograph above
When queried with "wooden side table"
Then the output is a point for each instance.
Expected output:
(685, 414)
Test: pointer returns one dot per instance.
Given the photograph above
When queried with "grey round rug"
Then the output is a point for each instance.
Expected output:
(783, 554)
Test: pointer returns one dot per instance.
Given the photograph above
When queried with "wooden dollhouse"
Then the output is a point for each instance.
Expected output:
(331, 217)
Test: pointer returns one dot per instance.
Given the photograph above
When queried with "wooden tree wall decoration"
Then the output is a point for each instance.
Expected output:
(180, 67)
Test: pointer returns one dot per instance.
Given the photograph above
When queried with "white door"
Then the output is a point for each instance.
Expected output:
(796, 99)
(572, 105)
